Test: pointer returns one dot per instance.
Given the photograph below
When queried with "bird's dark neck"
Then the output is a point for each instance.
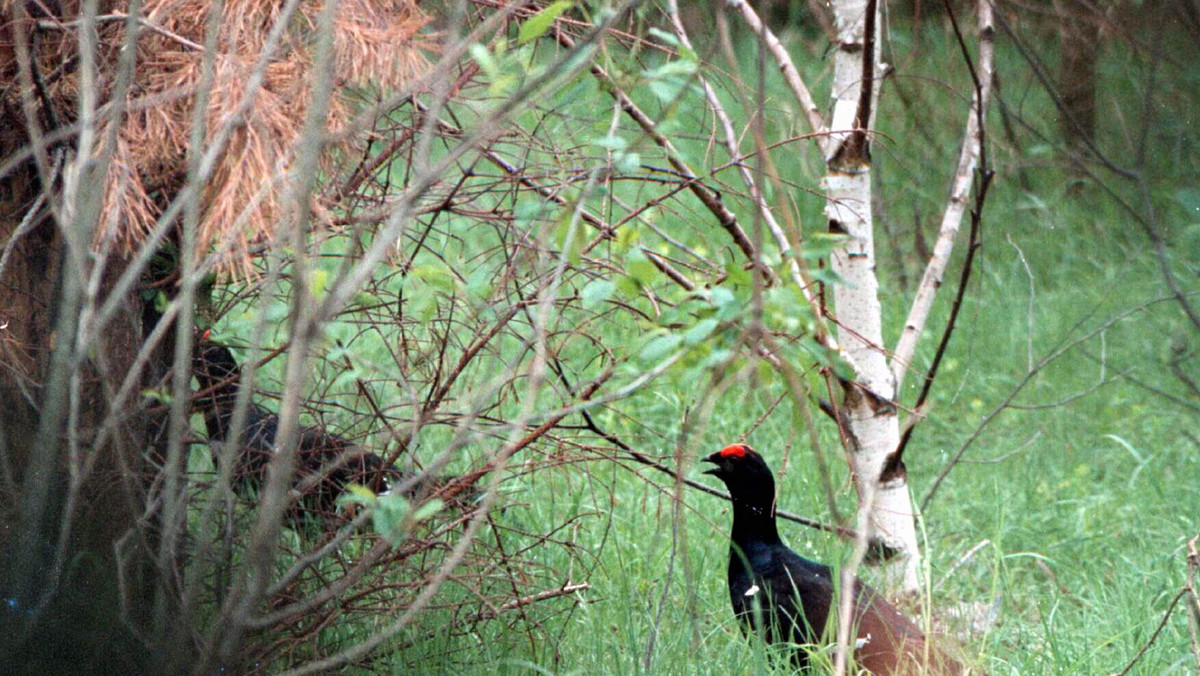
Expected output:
(217, 421)
(754, 522)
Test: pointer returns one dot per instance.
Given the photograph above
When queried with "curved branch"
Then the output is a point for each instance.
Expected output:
(973, 154)
(790, 75)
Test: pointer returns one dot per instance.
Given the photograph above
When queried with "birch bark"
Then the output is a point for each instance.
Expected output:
(870, 415)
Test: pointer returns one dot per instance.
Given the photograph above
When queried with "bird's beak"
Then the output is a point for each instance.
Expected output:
(715, 471)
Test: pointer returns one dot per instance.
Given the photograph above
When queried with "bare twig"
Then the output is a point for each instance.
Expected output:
(973, 246)
(1042, 363)
(644, 459)
(1154, 636)
(46, 24)
(790, 75)
(1193, 601)
(974, 153)
(707, 196)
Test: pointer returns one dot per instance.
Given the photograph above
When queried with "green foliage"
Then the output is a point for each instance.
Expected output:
(1085, 505)
(536, 26)
(392, 516)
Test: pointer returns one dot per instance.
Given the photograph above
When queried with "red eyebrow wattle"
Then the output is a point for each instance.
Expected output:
(733, 451)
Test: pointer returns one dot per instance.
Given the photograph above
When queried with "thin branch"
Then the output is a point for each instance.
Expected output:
(591, 425)
(707, 196)
(46, 24)
(669, 270)
(974, 153)
(972, 247)
(1193, 602)
(1051, 357)
(1048, 86)
(1154, 637)
(790, 75)
(787, 251)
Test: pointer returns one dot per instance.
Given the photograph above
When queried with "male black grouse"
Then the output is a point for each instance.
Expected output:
(795, 595)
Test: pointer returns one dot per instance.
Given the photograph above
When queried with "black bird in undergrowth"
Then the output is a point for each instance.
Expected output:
(318, 452)
(794, 596)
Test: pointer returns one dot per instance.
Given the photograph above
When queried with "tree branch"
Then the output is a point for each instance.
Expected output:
(974, 152)
(790, 75)
(709, 197)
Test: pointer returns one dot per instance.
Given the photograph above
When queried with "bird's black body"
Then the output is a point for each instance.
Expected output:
(793, 593)
(765, 576)
(786, 597)
(318, 452)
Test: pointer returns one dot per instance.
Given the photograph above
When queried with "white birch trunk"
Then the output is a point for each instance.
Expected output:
(870, 416)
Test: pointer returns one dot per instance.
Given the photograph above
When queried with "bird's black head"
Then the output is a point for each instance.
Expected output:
(744, 472)
(752, 490)
(214, 365)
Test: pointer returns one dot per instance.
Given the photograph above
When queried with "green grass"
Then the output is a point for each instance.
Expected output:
(1086, 505)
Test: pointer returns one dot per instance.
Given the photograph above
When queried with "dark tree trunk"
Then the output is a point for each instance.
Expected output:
(78, 612)
(1079, 31)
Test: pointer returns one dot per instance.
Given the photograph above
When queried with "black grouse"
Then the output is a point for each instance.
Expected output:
(794, 595)
(318, 452)
(219, 376)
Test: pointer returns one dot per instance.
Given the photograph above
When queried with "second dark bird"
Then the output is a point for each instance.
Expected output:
(317, 451)
(791, 597)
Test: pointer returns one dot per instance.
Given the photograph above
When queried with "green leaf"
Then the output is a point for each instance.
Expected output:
(158, 395)
(536, 26)
(426, 510)
(722, 297)
(362, 299)
(318, 281)
(629, 287)
(640, 268)
(664, 37)
(660, 347)
(161, 302)
(391, 512)
(701, 331)
(717, 356)
(666, 90)
(484, 58)
(596, 293)
(610, 142)
(565, 236)
(825, 275)
(671, 69)
(737, 276)
(728, 304)
(627, 236)
(435, 274)
(629, 163)
(422, 303)
(356, 495)
(361, 491)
